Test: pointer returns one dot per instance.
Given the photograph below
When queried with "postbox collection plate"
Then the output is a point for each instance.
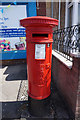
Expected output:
(40, 51)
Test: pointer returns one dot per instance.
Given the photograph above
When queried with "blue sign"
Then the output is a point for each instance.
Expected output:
(13, 32)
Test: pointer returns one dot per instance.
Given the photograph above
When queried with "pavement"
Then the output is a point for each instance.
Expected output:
(14, 98)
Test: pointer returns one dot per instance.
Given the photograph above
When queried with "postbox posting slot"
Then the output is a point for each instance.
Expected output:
(39, 35)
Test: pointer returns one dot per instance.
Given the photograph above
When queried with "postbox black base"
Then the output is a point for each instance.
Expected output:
(39, 108)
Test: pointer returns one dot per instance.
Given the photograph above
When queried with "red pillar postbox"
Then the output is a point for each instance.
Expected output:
(39, 35)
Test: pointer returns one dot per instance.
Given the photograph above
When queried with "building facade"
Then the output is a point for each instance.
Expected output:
(68, 13)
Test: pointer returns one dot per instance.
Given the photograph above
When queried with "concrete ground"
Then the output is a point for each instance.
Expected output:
(14, 98)
(12, 78)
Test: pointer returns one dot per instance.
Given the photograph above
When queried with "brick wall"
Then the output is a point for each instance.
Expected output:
(48, 9)
(41, 8)
(44, 9)
(78, 93)
(56, 12)
(67, 82)
(62, 12)
(62, 21)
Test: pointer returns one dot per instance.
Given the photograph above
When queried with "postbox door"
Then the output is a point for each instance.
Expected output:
(47, 76)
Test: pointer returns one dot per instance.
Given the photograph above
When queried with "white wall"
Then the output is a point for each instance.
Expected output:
(74, 15)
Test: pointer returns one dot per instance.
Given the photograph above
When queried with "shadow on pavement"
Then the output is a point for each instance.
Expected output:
(16, 72)
(19, 109)
(16, 109)
(13, 110)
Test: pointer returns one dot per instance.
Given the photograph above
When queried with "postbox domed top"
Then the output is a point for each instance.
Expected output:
(38, 20)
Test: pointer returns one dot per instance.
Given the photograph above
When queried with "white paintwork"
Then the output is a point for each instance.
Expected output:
(75, 54)
(62, 59)
(74, 14)
(66, 14)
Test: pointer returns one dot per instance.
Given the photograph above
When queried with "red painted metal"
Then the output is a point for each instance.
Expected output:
(39, 31)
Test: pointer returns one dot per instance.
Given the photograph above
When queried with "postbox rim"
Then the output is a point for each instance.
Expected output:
(38, 20)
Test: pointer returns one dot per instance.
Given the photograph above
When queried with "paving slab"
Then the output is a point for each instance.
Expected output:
(12, 77)
(13, 90)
